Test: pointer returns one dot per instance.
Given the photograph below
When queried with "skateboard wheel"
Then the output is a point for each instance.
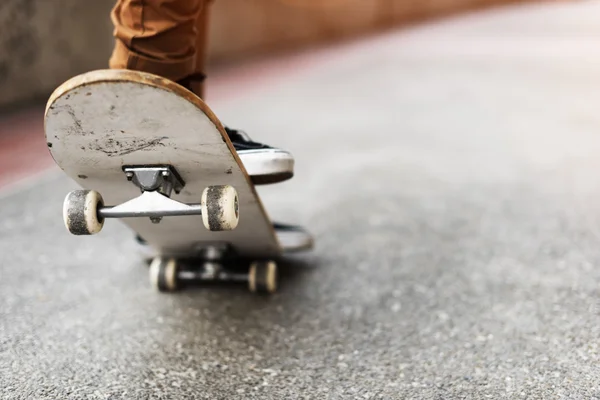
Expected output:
(80, 212)
(220, 208)
(262, 277)
(163, 274)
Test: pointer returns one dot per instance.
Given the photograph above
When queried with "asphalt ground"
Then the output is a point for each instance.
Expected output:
(449, 175)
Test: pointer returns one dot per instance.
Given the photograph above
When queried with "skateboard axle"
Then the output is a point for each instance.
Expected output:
(211, 272)
(150, 204)
(168, 275)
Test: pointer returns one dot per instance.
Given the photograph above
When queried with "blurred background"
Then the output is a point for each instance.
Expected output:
(43, 43)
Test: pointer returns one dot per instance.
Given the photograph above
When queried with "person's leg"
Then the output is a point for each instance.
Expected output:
(156, 36)
(169, 38)
(197, 85)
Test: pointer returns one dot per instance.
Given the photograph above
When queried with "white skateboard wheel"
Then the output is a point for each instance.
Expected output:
(163, 274)
(220, 208)
(80, 212)
(262, 277)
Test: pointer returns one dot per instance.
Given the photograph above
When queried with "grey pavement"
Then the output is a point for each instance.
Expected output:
(450, 175)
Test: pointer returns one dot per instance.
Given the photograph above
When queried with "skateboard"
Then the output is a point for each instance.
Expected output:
(152, 154)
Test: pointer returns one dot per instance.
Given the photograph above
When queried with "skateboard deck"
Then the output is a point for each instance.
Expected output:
(152, 154)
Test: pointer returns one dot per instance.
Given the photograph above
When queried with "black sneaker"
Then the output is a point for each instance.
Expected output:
(264, 164)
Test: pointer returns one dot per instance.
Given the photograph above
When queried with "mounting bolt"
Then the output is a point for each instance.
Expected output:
(129, 176)
(155, 220)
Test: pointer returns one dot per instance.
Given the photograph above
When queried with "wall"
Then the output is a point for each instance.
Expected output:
(242, 27)
(45, 42)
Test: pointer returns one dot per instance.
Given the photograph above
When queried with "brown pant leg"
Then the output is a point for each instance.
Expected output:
(201, 49)
(158, 36)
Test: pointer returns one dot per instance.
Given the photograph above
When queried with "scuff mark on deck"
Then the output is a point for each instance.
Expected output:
(77, 127)
(155, 142)
(112, 147)
(76, 121)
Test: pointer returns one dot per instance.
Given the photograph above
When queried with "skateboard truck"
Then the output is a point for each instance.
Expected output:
(168, 274)
(150, 204)
(163, 180)
(84, 211)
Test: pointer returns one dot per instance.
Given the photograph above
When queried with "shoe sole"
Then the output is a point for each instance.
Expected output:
(267, 167)
(270, 179)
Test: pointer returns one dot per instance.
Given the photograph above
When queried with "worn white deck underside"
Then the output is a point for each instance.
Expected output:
(96, 127)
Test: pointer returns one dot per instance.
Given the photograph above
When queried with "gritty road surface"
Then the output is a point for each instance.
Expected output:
(449, 173)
